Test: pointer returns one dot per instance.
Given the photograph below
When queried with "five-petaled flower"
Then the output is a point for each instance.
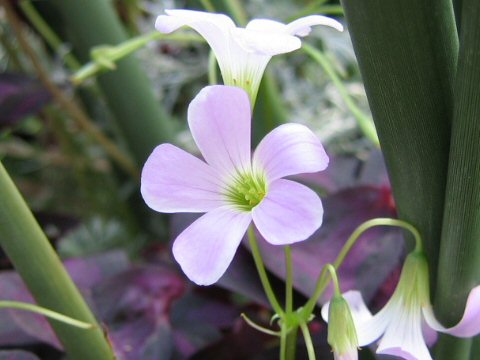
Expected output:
(407, 320)
(243, 53)
(232, 186)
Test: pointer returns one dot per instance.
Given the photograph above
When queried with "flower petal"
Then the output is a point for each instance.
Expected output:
(468, 326)
(403, 336)
(288, 150)
(289, 213)
(302, 26)
(215, 28)
(219, 118)
(369, 328)
(206, 248)
(257, 37)
(351, 355)
(176, 181)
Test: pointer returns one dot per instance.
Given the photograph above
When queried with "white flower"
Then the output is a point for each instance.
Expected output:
(243, 53)
(407, 320)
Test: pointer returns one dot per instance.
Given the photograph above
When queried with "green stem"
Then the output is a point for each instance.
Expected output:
(323, 280)
(207, 5)
(257, 257)
(238, 12)
(289, 280)
(47, 33)
(364, 122)
(6, 304)
(212, 69)
(39, 266)
(308, 341)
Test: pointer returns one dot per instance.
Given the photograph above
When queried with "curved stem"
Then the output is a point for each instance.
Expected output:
(6, 304)
(308, 341)
(323, 280)
(257, 257)
(364, 122)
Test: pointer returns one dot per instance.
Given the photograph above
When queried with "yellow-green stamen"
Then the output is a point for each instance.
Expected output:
(247, 191)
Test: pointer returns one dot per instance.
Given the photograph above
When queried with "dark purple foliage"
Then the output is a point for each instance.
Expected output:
(17, 355)
(20, 96)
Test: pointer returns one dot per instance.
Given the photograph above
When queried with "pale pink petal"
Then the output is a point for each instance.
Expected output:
(430, 335)
(403, 336)
(266, 25)
(219, 118)
(288, 150)
(215, 28)
(175, 181)
(351, 355)
(264, 43)
(289, 213)
(468, 326)
(302, 26)
(369, 328)
(206, 248)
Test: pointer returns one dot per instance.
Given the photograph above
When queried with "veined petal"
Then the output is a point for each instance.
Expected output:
(289, 213)
(369, 328)
(403, 336)
(213, 27)
(302, 26)
(206, 248)
(288, 150)
(219, 118)
(468, 326)
(176, 181)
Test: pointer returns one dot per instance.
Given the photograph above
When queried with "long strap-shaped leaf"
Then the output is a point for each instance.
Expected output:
(138, 114)
(407, 54)
(39, 266)
(458, 269)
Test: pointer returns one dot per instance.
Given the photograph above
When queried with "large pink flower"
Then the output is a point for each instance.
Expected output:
(231, 186)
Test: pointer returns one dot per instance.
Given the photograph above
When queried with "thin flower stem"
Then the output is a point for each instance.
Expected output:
(47, 33)
(258, 327)
(212, 69)
(308, 341)
(283, 342)
(5, 304)
(364, 122)
(333, 273)
(257, 257)
(323, 280)
(289, 280)
(70, 106)
(238, 12)
(207, 5)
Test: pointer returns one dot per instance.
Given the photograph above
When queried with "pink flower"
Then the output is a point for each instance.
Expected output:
(233, 187)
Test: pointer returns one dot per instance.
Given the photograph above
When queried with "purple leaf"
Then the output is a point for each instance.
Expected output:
(135, 304)
(85, 272)
(20, 96)
(371, 260)
(17, 355)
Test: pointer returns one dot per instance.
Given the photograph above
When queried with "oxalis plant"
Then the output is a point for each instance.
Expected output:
(420, 62)
(241, 192)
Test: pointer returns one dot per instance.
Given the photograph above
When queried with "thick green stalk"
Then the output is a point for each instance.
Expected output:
(458, 270)
(407, 53)
(139, 115)
(39, 266)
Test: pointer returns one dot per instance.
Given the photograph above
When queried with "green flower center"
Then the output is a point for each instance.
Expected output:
(247, 191)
